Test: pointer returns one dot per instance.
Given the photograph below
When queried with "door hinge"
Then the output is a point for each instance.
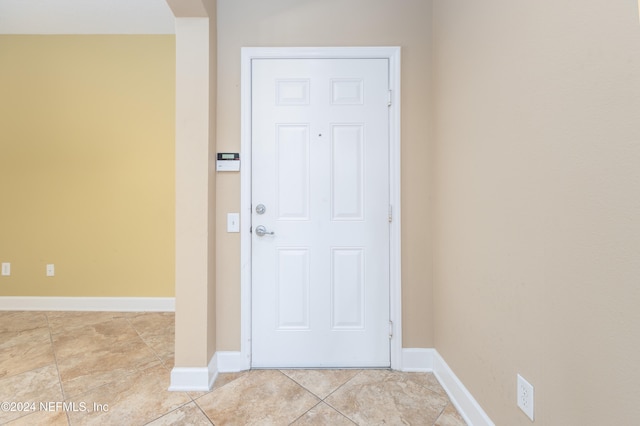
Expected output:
(390, 96)
(390, 213)
(390, 329)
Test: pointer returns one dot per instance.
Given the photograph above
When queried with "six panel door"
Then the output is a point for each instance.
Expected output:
(320, 241)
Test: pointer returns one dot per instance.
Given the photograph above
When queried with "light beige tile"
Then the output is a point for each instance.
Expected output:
(168, 361)
(321, 415)
(187, 415)
(68, 321)
(35, 386)
(12, 321)
(96, 367)
(221, 380)
(261, 397)
(162, 345)
(225, 378)
(428, 380)
(134, 399)
(450, 417)
(25, 350)
(157, 330)
(321, 382)
(153, 323)
(382, 397)
(48, 418)
(94, 336)
(114, 359)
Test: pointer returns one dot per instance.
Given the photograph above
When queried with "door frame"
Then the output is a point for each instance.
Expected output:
(248, 54)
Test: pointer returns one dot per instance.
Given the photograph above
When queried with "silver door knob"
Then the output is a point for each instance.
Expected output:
(261, 231)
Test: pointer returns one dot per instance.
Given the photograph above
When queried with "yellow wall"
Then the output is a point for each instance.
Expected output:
(537, 206)
(332, 23)
(87, 165)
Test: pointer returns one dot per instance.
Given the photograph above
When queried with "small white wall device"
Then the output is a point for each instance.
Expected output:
(228, 162)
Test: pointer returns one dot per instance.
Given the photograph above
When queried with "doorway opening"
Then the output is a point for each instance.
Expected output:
(391, 57)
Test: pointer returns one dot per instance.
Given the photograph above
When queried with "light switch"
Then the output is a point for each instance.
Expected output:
(233, 222)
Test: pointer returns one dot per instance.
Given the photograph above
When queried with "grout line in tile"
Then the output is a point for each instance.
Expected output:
(220, 387)
(169, 412)
(202, 411)
(299, 384)
(128, 319)
(328, 395)
(27, 371)
(117, 379)
(338, 388)
(344, 415)
(55, 360)
(25, 414)
(124, 376)
(303, 414)
(305, 389)
(323, 400)
(114, 379)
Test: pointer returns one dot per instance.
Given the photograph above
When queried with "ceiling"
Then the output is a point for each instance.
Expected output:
(85, 17)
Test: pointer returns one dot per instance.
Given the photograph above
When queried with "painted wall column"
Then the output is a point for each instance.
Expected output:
(195, 197)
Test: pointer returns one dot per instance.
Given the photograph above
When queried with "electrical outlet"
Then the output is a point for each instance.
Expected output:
(6, 269)
(51, 270)
(525, 396)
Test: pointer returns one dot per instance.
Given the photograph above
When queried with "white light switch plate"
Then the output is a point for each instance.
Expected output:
(51, 270)
(6, 269)
(233, 222)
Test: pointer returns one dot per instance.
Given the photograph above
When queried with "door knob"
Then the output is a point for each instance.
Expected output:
(261, 231)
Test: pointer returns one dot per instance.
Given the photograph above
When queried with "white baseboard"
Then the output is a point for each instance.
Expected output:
(200, 379)
(113, 304)
(466, 404)
(232, 362)
(418, 359)
(196, 379)
(413, 360)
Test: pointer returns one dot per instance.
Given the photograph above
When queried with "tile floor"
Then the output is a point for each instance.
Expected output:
(106, 368)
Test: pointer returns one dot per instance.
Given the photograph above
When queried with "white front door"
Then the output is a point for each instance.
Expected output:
(320, 213)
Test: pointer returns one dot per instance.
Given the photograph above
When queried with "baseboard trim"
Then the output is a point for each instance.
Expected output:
(200, 379)
(466, 404)
(232, 362)
(418, 359)
(194, 379)
(113, 304)
(413, 360)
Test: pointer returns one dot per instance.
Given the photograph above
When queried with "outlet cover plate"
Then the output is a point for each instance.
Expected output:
(233, 222)
(525, 396)
(51, 270)
(6, 269)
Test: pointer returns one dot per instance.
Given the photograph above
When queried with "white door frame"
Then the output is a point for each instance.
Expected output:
(391, 53)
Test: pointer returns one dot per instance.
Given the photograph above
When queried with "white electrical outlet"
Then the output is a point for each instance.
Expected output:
(6, 269)
(51, 270)
(525, 396)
